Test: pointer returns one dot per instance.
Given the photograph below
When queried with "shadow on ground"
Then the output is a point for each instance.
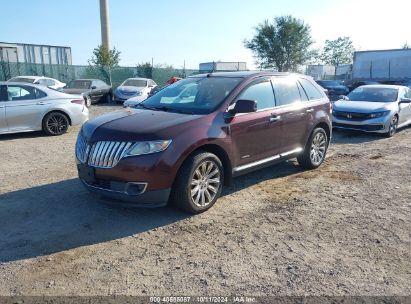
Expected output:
(60, 216)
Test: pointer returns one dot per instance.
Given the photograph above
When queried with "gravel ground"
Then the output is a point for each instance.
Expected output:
(343, 229)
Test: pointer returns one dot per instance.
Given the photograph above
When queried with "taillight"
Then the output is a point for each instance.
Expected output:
(78, 101)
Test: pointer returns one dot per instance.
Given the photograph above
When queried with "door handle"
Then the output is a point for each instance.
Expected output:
(274, 118)
(309, 111)
(41, 103)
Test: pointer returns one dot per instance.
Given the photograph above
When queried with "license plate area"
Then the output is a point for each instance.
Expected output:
(86, 173)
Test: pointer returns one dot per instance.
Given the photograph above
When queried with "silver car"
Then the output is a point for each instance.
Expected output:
(26, 107)
(137, 88)
(374, 108)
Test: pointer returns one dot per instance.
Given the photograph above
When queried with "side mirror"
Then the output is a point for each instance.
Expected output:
(405, 100)
(343, 97)
(244, 106)
(93, 87)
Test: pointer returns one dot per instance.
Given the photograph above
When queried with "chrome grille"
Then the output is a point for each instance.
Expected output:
(82, 148)
(106, 154)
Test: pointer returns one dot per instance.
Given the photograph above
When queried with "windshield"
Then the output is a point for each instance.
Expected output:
(135, 83)
(329, 83)
(21, 79)
(193, 95)
(78, 84)
(373, 94)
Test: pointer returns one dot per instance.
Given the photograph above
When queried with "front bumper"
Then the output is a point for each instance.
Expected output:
(121, 98)
(375, 125)
(147, 199)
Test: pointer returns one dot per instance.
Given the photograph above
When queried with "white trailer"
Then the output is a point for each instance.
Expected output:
(208, 67)
(382, 65)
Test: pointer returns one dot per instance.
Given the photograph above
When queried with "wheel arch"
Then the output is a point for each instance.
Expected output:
(221, 153)
(56, 111)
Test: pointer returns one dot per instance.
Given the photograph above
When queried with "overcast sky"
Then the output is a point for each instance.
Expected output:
(197, 31)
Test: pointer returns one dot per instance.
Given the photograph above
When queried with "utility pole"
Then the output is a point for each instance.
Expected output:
(105, 24)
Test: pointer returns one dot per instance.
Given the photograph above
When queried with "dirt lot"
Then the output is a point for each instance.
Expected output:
(343, 229)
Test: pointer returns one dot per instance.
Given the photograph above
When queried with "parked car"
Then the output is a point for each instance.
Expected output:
(353, 84)
(26, 107)
(374, 108)
(182, 148)
(334, 88)
(41, 80)
(92, 90)
(136, 88)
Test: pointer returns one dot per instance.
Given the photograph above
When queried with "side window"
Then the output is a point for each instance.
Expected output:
(303, 95)
(408, 93)
(286, 91)
(402, 93)
(40, 94)
(312, 91)
(17, 93)
(43, 82)
(94, 84)
(50, 82)
(262, 92)
(102, 84)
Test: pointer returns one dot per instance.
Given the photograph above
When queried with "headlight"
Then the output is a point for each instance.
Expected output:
(379, 114)
(148, 147)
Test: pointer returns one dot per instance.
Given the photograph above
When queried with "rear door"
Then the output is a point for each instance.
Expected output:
(293, 113)
(96, 93)
(24, 111)
(3, 101)
(256, 136)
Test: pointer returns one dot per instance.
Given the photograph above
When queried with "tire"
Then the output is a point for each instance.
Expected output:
(109, 98)
(87, 101)
(55, 123)
(393, 127)
(315, 150)
(194, 189)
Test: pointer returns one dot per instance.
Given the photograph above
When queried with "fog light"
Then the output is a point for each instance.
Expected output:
(135, 188)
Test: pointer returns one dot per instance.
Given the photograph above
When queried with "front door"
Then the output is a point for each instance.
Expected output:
(23, 111)
(3, 101)
(405, 108)
(256, 136)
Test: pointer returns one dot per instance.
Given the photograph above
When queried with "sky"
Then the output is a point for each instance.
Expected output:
(193, 31)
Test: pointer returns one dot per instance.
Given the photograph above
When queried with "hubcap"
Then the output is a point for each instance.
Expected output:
(205, 183)
(57, 124)
(318, 148)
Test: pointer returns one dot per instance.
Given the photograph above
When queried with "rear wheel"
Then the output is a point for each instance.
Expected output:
(55, 123)
(87, 101)
(315, 150)
(199, 183)
(393, 126)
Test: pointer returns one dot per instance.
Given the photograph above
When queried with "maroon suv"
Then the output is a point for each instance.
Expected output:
(183, 143)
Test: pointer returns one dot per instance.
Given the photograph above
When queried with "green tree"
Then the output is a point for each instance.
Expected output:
(104, 60)
(145, 70)
(405, 45)
(338, 51)
(283, 45)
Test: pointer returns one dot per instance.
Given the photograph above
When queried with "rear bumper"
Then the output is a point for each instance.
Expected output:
(147, 199)
(80, 118)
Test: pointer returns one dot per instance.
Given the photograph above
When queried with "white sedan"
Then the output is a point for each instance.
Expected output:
(26, 107)
(41, 80)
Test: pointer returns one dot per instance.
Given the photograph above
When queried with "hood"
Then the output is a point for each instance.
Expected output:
(360, 106)
(137, 125)
(130, 89)
(75, 91)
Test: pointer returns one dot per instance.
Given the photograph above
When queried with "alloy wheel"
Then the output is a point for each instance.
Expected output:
(205, 183)
(318, 148)
(57, 124)
(393, 125)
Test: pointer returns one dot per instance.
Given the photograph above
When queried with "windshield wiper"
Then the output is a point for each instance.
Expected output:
(143, 106)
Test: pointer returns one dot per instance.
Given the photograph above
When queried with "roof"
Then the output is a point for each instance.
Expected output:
(383, 86)
(29, 77)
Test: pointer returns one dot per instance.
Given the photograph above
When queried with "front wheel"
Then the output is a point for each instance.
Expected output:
(393, 126)
(199, 183)
(55, 123)
(315, 150)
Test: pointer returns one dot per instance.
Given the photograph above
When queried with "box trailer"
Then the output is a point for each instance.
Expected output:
(382, 65)
(208, 67)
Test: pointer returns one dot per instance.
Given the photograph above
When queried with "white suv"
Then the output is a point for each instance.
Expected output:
(41, 80)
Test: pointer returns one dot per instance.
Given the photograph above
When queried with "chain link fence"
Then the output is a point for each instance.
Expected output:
(65, 73)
